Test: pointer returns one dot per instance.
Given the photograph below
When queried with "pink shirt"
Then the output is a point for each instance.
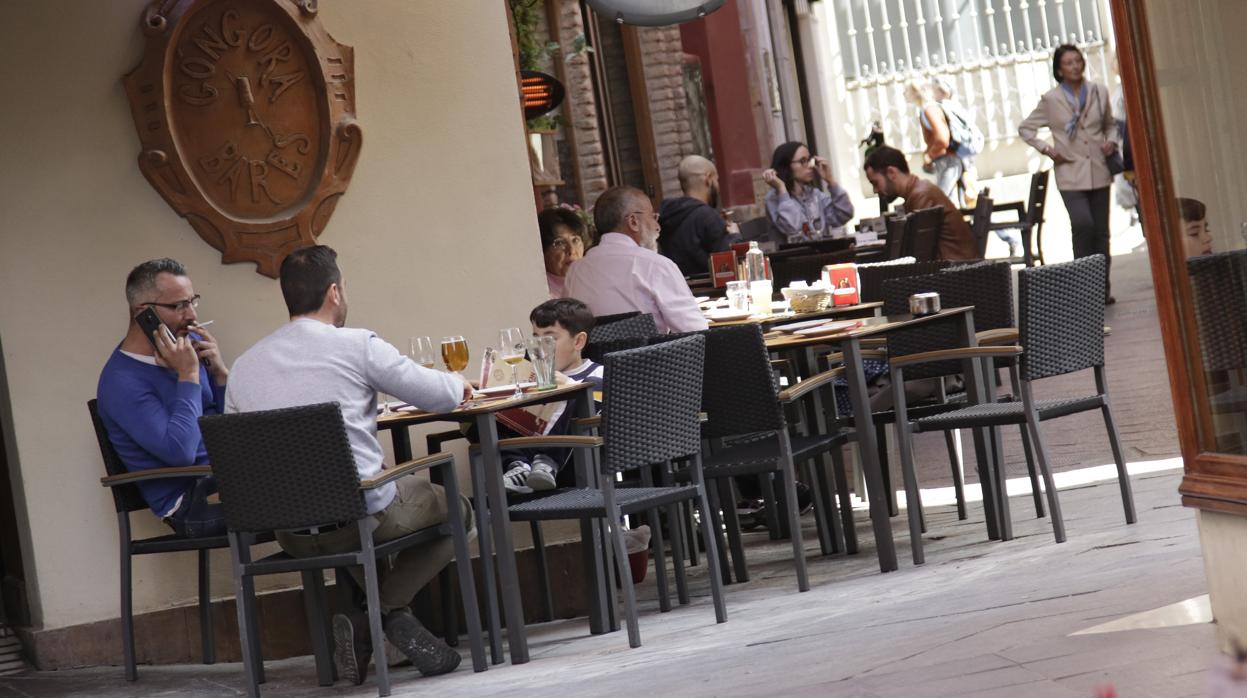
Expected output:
(555, 284)
(620, 276)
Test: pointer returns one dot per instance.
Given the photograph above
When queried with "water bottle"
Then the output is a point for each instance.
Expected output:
(755, 263)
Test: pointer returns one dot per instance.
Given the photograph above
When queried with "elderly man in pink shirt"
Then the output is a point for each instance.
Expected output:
(625, 272)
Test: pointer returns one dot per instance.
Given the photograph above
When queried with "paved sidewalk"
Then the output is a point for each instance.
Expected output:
(980, 618)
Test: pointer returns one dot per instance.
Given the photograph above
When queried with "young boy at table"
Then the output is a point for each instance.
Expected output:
(536, 470)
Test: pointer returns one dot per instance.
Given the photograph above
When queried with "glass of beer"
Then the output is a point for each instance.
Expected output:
(422, 351)
(511, 347)
(455, 353)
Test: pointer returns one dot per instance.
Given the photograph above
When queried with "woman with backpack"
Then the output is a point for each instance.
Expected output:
(939, 158)
(1079, 114)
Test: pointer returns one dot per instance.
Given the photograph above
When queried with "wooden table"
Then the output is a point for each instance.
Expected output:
(493, 517)
(849, 340)
(836, 311)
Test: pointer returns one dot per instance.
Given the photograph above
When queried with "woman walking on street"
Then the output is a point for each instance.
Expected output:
(1080, 116)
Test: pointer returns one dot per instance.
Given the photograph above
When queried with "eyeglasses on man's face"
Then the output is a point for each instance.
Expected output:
(651, 214)
(179, 306)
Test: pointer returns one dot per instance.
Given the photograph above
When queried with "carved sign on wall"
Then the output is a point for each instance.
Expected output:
(246, 114)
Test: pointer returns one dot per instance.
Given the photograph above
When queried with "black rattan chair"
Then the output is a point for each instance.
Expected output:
(1030, 220)
(749, 435)
(1061, 331)
(922, 234)
(127, 499)
(1219, 290)
(808, 267)
(872, 276)
(612, 327)
(650, 415)
(895, 239)
(292, 469)
(981, 224)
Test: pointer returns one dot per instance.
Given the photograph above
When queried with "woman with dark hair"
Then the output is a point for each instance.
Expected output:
(562, 242)
(799, 205)
(1079, 114)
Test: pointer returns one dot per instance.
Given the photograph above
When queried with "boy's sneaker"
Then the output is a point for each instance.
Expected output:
(427, 653)
(515, 479)
(542, 476)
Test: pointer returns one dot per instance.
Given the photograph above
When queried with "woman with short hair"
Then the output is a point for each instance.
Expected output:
(1079, 114)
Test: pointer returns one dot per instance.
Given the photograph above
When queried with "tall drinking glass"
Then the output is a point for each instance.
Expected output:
(422, 351)
(455, 353)
(541, 354)
(511, 348)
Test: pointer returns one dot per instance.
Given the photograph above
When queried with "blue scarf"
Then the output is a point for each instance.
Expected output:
(1078, 104)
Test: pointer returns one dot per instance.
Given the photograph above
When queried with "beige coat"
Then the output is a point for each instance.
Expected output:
(1088, 169)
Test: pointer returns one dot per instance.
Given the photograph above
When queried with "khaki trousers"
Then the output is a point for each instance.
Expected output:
(418, 504)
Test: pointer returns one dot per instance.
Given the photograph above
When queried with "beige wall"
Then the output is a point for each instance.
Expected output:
(436, 235)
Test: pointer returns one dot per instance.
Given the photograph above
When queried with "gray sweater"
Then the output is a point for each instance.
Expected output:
(307, 361)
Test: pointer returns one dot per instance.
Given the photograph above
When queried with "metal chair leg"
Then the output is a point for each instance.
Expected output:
(626, 586)
(543, 569)
(1123, 475)
(656, 536)
(826, 542)
(463, 570)
(885, 467)
(318, 624)
(1041, 456)
(774, 529)
(371, 582)
(848, 524)
(127, 598)
(794, 524)
(677, 552)
(904, 443)
(717, 541)
(450, 606)
(731, 520)
(246, 617)
(712, 553)
(206, 634)
(954, 462)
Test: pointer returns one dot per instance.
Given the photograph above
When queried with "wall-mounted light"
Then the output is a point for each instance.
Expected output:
(654, 13)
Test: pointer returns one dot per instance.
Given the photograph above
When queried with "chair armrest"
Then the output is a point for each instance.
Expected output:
(804, 386)
(587, 423)
(836, 358)
(1016, 206)
(780, 363)
(997, 337)
(553, 441)
(1107, 330)
(403, 469)
(156, 474)
(951, 354)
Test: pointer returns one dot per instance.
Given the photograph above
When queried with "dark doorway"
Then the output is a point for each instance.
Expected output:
(15, 609)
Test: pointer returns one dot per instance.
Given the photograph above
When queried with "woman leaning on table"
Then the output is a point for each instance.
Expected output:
(1080, 116)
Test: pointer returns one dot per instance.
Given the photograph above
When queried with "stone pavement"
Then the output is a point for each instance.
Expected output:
(980, 618)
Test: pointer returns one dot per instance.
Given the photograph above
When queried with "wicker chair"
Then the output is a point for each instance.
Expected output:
(872, 276)
(640, 426)
(922, 234)
(292, 469)
(981, 224)
(809, 267)
(126, 499)
(612, 327)
(1061, 331)
(749, 435)
(1217, 284)
(1030, 220)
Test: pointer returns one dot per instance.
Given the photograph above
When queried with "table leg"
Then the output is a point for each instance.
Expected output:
(864, 425)
(984, 448)
(485, 544)
(401, 439)
(828, 526)
(512, 605)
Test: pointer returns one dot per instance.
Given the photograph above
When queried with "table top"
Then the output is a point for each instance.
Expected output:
(862, 328)
(779, 319)
(479, 406)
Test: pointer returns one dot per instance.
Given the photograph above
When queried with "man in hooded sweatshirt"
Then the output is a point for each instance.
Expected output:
(692, 227)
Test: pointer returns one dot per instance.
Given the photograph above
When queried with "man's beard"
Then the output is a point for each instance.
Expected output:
(650, 242)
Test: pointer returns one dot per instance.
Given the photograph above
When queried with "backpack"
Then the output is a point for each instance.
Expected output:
(966, 138)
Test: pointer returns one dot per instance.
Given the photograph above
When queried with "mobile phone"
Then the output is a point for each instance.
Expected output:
(150, 324)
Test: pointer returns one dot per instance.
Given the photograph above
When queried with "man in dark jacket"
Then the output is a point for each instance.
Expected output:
(692, 227)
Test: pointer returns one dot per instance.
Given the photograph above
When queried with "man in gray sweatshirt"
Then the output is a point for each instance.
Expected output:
(312, 359)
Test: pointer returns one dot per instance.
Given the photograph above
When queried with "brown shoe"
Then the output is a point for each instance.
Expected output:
(427, 652)
(351, 647)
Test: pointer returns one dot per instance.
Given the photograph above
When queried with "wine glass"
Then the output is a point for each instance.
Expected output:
(422, 351)
(511, 347)
(455, 353)
(383, 405)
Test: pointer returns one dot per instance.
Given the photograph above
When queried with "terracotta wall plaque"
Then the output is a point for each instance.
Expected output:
(246, 114)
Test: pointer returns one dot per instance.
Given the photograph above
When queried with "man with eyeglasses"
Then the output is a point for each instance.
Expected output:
(153, 390)
(625, 273)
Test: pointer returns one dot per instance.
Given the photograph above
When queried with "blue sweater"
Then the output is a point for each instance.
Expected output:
(152, 419)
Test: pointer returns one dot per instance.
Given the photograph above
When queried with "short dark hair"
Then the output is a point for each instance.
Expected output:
(886, 156)
(142, 279)
(1192, 210)
(569, 313)
(1056, 59)
(613, 206)
(306, 274)
(551, 217)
